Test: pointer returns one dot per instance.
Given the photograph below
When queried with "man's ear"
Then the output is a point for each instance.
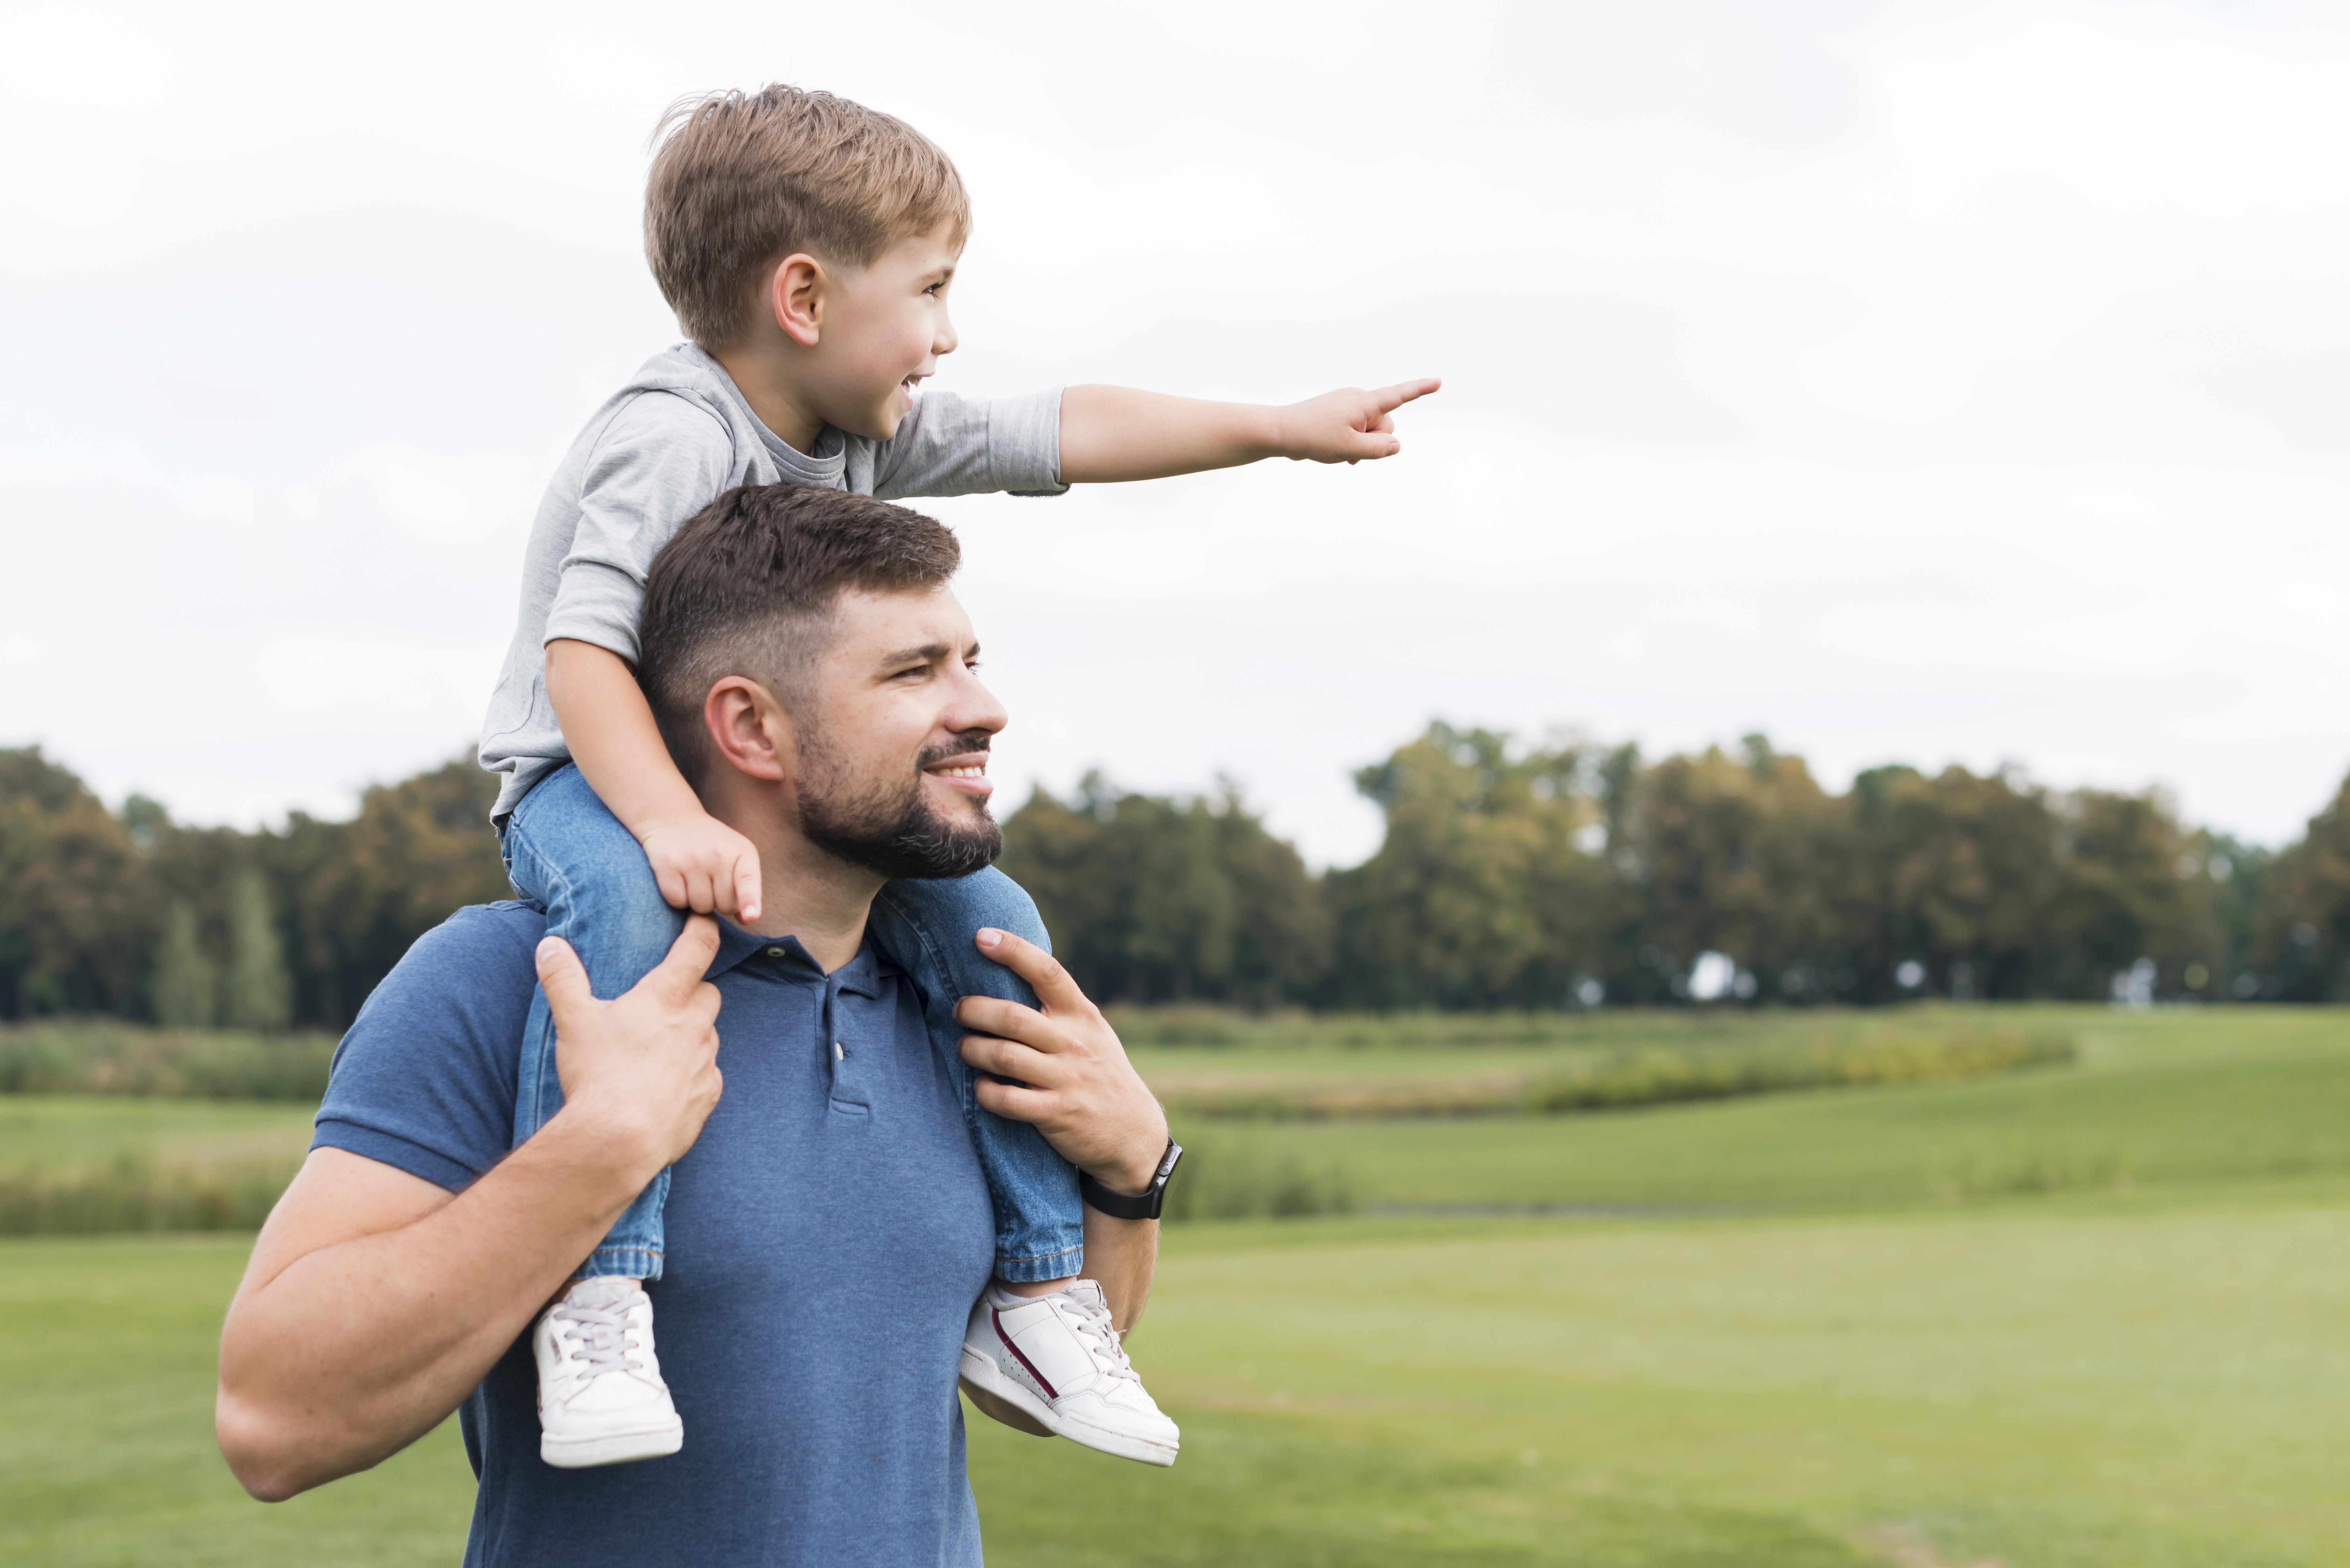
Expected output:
(795, 297)
(749, 729)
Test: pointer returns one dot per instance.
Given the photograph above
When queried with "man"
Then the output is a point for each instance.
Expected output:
(829, 1203)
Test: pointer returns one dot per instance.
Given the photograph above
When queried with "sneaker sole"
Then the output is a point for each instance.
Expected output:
(612, 1448)
(989, 1387)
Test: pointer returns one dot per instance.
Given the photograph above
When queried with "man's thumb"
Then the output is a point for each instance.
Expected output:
(563, 978)
(690, 956)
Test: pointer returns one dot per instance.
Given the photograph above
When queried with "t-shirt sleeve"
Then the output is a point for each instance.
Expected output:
(424, 1081)
(951, 445)
(661, 460)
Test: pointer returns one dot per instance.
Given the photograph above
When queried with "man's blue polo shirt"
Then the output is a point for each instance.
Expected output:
(825, 1238)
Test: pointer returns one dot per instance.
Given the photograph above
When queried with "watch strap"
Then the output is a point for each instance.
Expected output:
(1143, 1205)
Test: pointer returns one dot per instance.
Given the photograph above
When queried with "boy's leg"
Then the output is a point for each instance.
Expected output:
(602, 1398)
(1040, 1352)
(565, 850)
(927, 927)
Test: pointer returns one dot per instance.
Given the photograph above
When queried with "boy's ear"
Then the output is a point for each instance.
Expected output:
(795, 297)
(749, 729)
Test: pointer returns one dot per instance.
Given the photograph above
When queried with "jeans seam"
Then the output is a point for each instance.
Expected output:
(515, 830)
(1036, 1257)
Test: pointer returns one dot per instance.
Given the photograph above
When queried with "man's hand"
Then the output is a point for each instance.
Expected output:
(1347, 425)
(1074, 1084)
(376, 1300)
(702, 865)
(643, 1068)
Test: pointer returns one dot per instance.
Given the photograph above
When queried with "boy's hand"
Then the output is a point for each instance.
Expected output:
(702, 865)
(1349, 424)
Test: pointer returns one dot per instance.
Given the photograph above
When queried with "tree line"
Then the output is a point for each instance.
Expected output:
(1554, 875)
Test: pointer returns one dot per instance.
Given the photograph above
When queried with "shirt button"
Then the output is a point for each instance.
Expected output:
(774, 952)
(839, 1051)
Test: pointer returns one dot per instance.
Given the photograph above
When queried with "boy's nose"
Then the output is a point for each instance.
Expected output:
(945, 340)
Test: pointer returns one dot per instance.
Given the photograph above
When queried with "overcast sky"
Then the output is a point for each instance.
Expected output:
(1939, 383)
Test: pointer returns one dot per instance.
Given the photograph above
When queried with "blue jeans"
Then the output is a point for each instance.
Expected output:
(564, 850)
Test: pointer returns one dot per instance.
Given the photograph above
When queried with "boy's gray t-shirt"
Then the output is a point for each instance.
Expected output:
(673, 439)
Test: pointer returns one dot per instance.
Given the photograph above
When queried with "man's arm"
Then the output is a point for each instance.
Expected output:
(1111, 433)
(1077, 1089)
(375, 1301)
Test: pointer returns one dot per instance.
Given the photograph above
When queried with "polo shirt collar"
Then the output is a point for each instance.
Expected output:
(865, 974)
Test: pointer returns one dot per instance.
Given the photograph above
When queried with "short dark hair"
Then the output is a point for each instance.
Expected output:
(748, 588)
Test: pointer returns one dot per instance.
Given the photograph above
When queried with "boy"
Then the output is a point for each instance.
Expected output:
(807, 245)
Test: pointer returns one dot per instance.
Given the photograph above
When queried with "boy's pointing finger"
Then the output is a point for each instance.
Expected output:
(1393, 397)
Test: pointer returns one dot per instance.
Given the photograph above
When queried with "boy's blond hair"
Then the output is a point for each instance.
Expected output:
(740, 181)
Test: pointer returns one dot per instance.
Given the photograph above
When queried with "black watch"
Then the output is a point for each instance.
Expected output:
(1143, 1205)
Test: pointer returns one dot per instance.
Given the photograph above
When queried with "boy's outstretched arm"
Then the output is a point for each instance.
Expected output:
(1110, 433)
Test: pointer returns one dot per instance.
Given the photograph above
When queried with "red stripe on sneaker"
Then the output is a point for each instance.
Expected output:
(996, 1316)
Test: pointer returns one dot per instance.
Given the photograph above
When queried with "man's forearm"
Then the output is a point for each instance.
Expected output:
(1114, 434)
(1122, 1255)
(335, 1360)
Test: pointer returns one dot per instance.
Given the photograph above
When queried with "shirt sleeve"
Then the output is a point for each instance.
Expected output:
(424, 1082)
(951, 445)
(660, 461)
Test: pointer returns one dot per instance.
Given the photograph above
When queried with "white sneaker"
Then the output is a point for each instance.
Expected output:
(601, 1400)
(1053, 1365)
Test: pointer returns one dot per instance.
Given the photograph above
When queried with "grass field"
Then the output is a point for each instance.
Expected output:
(2093, 1316)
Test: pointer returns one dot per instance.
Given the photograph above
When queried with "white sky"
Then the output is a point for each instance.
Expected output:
(1942, 383)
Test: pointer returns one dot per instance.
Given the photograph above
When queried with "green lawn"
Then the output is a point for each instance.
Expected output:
(2122, 1382)
(2158, 1098)
(2089, 1315)
(66, 1133)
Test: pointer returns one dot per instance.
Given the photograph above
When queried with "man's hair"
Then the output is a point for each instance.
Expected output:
(740, 181)
(749, 587)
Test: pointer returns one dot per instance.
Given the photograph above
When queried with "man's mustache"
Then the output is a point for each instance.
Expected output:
(962, 745)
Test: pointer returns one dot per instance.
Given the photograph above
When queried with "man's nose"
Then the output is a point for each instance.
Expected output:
(974, 708)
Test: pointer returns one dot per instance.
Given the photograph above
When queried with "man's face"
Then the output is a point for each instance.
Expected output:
(893, 741)
(884, 329)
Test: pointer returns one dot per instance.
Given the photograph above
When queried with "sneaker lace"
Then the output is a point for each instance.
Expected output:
(598, 1341)
(1095, 1331)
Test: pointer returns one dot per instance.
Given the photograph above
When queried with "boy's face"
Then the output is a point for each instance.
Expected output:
(883, 328)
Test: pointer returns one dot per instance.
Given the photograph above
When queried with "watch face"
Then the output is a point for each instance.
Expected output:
(1167, 1164)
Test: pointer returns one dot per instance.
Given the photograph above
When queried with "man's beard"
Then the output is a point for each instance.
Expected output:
(889, 827)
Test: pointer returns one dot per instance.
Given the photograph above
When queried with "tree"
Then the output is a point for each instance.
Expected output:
(78, 919)
(187, 987)
(1955, 874)
(1479, 896)
(1745, 856)
(2302, 947)
(259, 993)
(1151, 898)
